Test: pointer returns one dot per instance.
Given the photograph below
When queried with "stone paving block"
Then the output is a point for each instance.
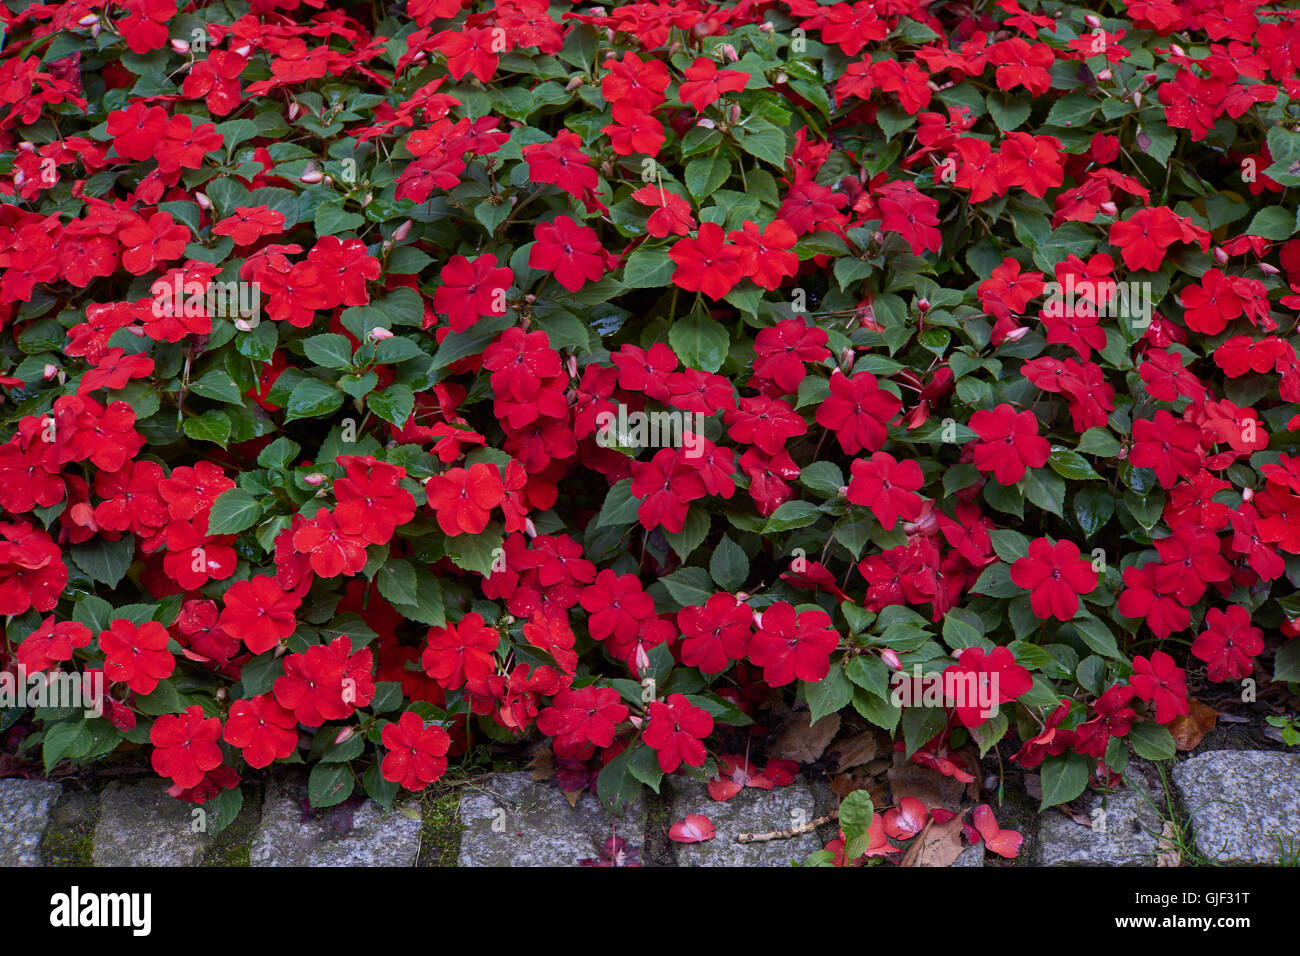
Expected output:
(25, 807)
(358, 833)
(140, 825)
(971, 856)
(1244, 804)
(752, 811)
(512, 820)
(1127, 835)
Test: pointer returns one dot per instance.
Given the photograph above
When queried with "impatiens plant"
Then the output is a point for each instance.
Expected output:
(389, 382)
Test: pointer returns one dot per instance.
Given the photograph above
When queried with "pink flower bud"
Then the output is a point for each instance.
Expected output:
(891, 659)
(180, 46)
(706, 123)
(1149, 78)
(244, 325)
(1137, 97)
(50, 372)
(344, 734)
(378, 335)
(294, 110)
(313, 176)
(530, 529)
(573, 84)
(1105, 74)
(642, 659)
(203, 200)
(315, 479)
(1247, 494)
(1015, 335)
(243, 50)
(27, 147)
(1220, 255)
(89, 20)
(781, 78)
(733, 113)
(1092, 20)
(1268, 269)
(729, 53)
(923, 305)
(402, 231)
(1109, 208)
(1176, 50)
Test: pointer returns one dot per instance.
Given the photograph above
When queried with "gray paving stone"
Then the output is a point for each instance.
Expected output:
(140, 825)
(354, 834)
(971, 856)
(25, 807)
(1125, 831)
(511, 820)
(1244, 804)
(750, 811)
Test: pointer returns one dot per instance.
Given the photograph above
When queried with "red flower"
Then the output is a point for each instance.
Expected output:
(148, 243)
(706, 84)
(672, 215)
(570, 252)
(1161, 681)
(617, 606)
(137, 129)
(716, 634)
(190, 492)
(370, 498)
(342, 269)
(858, 411)
(249, 223)
(334, 548)
(787, 646)
(326, 682)
(1009, 443)
(1169, 446)
(562, 162)
(997, 677)
(764, 421)
(1055, 576)
(581, 720)
(676, 729)
(32, 572)
(887, 487)
(259, 613)
(417, 755)
(463, 498)
(51, 644)
(1143, 599)
(185, 746)
(666, 484)
(461, 653)
(766, 257)
(471, 290)
(781, 351)
(136, 656)
(706, 263)
(1228, 644)
(114, 370)
(262, 729)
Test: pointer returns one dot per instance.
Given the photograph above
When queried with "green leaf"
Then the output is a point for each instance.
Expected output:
(394, 404)
(766, 141)
(855, 815)
(330, 350)
(995, 581)
(791, 515)
(700, 342)
(1286, 663)
(694, 530)
(1064, 778)
(332, 219)
(921, 725)
(689, 587)
(1072, 111)
(1045, 490)
(648, 269)
(232, 512)
(105, 561)
(396, 581)
(475, 552)
(281, 453)
(1098, 441)
(1150, 741)
(616, 786)
(643, 764)
(329, 784)
(1072, 465)
(213, 426)
(829, 694)
(620, 506)
(312, 398)
(1098, 637)
(729, 565)
(1273, 222)
(218, 386)
(706, 175)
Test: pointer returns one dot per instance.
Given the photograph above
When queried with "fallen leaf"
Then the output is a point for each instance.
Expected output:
(410, 810)
(572, 796)
(804, 742)
(1034, 785)
(696, 828)
(929, 786)
(1167, 850)
(543, 764)
(854, 751)
(1189, 729)
(938, 845)
(1077, 814)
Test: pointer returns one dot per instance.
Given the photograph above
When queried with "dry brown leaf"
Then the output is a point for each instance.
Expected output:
(543, 764)
(1167, 851)
(1189, 729)
(1076, 814)
(572, 796)
(854, 751)
(804, 743)
(939, 844)
(929, 786)
(1034, 785)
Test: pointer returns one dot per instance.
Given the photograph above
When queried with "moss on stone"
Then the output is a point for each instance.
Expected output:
(440, 835)
(69, 839)
(231, 847)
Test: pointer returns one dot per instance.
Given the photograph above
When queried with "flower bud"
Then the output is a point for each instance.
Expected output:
(1092, 20)
(315, 479)
(402, 231)
(733, 113)
(1268, 269)
(180, 46)
(729, 53)
(1220, 255)
(243, 325)
(1105, 74)
(923, 305)
(1109, 208)
(50, 371)
(573, 84)
(89, 20)
(344, 734)
(706, 123)
(891, 659)
(243, 50)
(311, 174)
(766, 27)
(1015, 335)
(1247, 494)
(1176, 49)
(530, 529)
(642, 659)
(294, 110)
(782, 78)
(378, 335)
(1137, 97)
